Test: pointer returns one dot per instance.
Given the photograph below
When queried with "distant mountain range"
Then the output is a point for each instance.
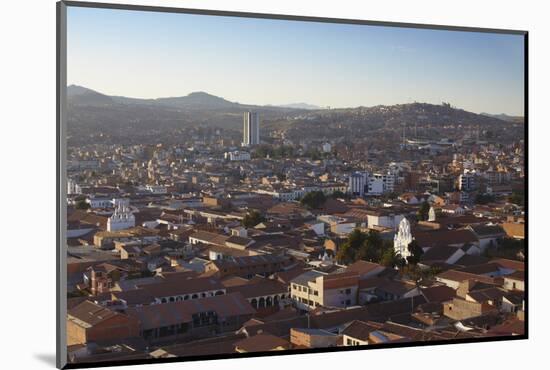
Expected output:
(300, 106)
(79, 95)
(91, 112)
(199, 100)
(505, 117)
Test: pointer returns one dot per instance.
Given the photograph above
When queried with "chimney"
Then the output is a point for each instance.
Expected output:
(465, 287)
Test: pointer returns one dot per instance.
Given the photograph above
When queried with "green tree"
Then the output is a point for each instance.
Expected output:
(390, 259)
(337, 194)
(368, 247)
(82, 204)
(413, 272)
(262, 151)
(313, 153)
(517, 197)
(424, 211)
(80, 197)
(347, 253)
(252, 219)
(484, 198)
(313, 199)
(416, 252)
(372, 247)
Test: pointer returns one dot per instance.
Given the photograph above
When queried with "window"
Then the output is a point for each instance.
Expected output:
(204, 319)
(166, 331)
(181, 328)
(348, 291)
(148, 333)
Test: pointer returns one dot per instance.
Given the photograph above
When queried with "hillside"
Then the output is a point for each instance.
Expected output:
(91, 112)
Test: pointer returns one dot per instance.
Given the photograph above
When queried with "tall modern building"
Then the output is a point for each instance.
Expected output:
(466, 182)
(357, 183)
(251, 129)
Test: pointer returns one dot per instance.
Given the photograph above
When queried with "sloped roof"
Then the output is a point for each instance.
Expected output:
(166, 314)
(261, 343)
(359, 330)
(439, 253)
(174, 287)
(438, 238)
(264, 288)
(439, 293)
(89, 314)
(364, 267)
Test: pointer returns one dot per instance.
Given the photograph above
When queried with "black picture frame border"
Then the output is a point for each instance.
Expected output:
(61, 188)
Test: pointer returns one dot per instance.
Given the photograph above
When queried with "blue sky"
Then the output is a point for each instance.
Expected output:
(259, 61)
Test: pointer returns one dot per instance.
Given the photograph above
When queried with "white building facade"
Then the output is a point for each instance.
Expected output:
(379, 183)
(357, 183)
(251, 129)
(403, 238)
(237, 156)
(121, 219)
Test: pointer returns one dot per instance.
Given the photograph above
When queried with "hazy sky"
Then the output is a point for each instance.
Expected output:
(259, 61)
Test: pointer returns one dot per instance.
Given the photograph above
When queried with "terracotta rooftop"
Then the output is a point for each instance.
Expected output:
(360, 330)
(88, 314)
(261, 343)
(158, 315)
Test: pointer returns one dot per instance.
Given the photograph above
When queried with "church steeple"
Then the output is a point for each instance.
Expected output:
(403, 238)
(122, 218)
(431, 214)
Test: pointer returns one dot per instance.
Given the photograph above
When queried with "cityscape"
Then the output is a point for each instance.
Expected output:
(198, 225)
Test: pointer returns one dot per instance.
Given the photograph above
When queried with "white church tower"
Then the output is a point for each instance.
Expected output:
(121, 219)
(403, 238)
(431, 214)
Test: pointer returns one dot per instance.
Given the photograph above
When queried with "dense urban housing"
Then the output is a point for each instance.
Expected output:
(285, 228)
